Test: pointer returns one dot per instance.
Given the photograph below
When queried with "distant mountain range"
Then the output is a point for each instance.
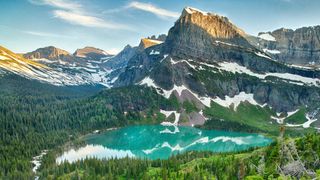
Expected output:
(204, 60)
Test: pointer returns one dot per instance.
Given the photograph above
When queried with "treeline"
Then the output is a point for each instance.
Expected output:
(257, 164)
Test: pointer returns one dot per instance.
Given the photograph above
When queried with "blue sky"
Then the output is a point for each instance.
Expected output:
(26, 25)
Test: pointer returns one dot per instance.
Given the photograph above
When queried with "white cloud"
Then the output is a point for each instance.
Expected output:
(153, 9)
(61, 4)
(64, 4)
(44, 34)
(74, 13)
(85, 20)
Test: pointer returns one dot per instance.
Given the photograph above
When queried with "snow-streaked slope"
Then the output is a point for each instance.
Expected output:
(37, 70)
(234, 101)
(236, 68)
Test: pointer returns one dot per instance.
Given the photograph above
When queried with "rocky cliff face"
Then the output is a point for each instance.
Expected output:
(195, 33)
(91, 53)
(300, 46)
(50, 52)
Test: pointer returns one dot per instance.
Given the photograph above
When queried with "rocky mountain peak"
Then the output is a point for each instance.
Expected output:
(196, 32)
(215, 25)
(90, 52)
(49, 52)
(147, 42)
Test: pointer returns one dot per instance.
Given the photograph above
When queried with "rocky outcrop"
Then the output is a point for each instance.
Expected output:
(300, 46)
(50, 52)
(91, 53)
(161, 37)
(146, 43)
(201, 35)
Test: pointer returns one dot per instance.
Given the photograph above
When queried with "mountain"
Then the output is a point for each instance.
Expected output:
(16, 64)
(50, 52)
(117, 64)
(121, 59)
(91, 53)
(67, 71)
(207, 63)
(299, 47)
(85, 63)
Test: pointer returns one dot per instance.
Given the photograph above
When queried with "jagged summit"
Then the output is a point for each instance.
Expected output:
(196, 31)
(218, 26)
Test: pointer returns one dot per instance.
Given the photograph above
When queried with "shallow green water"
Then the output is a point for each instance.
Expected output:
(159, 141)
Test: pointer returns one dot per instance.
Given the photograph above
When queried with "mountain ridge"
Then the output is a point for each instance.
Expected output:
(49, 52)
(300, 46)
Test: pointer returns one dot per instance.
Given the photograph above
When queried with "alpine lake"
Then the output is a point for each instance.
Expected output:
(160, 142)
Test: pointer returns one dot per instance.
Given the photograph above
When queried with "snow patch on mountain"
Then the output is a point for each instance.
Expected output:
(262, 55)
(192, 10)
(280, 120)
(273, 51)
(311, 117)
(228, 44)
(167, 114)
(153, 52)
(205, 100)
(292, 78)
(182, 61)
(267, 37)
(236, 100)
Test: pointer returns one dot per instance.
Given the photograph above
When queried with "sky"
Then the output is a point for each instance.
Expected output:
(26, 25)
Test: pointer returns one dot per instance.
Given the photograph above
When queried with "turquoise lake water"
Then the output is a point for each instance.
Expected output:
(157, 141)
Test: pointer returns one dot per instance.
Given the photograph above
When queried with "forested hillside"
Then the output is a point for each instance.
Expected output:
(35, 116)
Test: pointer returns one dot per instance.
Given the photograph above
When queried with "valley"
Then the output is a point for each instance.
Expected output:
(204, 101)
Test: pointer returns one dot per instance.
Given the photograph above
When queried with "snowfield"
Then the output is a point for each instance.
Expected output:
(292, 78)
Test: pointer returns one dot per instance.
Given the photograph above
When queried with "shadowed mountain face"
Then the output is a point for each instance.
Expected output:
(300, 46)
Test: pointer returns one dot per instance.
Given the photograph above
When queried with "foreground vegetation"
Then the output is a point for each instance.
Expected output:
(301, 161)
